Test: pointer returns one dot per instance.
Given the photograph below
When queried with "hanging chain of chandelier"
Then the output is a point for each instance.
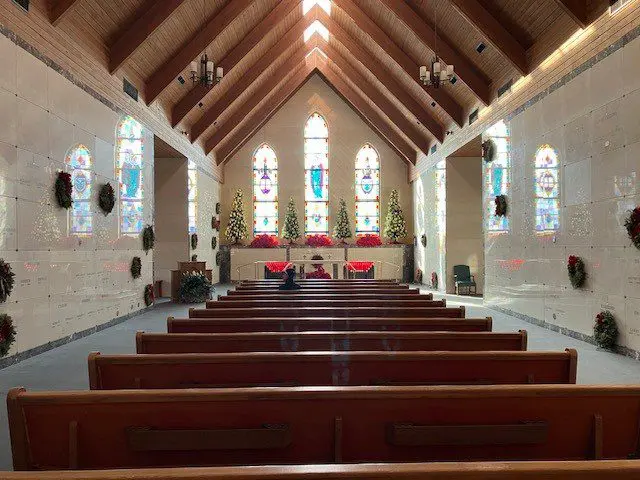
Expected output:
(208, 74)
(439, 74)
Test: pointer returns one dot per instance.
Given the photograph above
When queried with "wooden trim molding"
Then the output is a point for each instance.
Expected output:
(576, 9)
(58, 9)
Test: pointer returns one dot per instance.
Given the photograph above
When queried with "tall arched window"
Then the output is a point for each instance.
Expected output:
(316, 183)
(129, 151)
(192, 192)
(547, 189)
(265, 191)
(497, 181)
(78, 161)
(367, 191)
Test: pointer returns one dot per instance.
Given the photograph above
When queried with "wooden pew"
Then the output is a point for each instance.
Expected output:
(380, 303)
(328, 324)
(326, 286)
(323, 296)
(334, 281)
(232, 370)
(154, 343)
(162, 428)
(558, 470)
(289, 312)
(324, 291)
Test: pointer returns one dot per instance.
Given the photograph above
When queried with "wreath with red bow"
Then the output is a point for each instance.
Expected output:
(577, 274)
(64, 190)
(605, 330)
(501, 206)
(149, 296)
(632, 224)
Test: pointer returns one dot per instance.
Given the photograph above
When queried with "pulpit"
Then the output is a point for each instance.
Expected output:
(176, 276)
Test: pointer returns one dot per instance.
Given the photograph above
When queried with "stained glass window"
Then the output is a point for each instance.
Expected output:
(497, 176)
(192, 188)
(367, 191)
(441, 203)
(130, 148)
(547, 189)
(265, 191)
(316, 176)
(79, 161)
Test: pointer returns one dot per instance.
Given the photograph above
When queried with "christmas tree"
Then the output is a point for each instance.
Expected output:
(237, 228)
(342, 229)
(395, 226)
(291, 229)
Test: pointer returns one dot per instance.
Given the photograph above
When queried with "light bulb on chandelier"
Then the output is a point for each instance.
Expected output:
(439, 74)
(207, 74)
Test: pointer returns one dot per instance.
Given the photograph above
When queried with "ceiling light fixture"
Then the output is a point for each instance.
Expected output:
(439, 74)
(208, 74)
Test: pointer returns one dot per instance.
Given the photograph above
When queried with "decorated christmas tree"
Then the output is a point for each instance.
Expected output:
(342, 229)
(395, 226)
(237, 228)
(291, 229)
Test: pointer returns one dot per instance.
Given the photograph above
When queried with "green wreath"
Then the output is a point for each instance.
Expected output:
(576, 271)
(218, 208)
(605, 330)
(632, 225)
(7, 334)
(501, 206)
(64, 190)
(106, 198)
(488, 151)
(136, 267)
(423, 239)
(148, 238)
(194, 241)
(6, 280)
(214, 242)
(149, 296)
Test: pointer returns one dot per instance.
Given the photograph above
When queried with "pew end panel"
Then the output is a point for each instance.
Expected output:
(140, 341)
(525, 339)
(18, 430)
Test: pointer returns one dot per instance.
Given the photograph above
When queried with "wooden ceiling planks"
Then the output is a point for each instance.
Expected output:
(576, 9)
(58, 9)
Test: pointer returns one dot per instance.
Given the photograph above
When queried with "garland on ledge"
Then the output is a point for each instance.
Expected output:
(149, 296)
(265, 241)
(319, 241)
(214, 243)
(64, 190)
(488, 151)
(501, 206)
(605, 330)
(148, 238)
(106, 198)
(6, 280)
(368, 240)
(434, 280)
(136, 267)
(7, 334)
(632, 224)
(195, 287)
(194, 241)
(577, 274)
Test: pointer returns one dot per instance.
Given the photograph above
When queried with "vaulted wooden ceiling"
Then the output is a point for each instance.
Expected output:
(371, 58)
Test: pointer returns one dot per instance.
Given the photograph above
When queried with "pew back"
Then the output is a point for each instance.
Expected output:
(314, 291)
(381, 302)
(310, 312)
(323, 296)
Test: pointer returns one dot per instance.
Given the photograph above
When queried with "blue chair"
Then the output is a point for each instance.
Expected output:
(462, 278)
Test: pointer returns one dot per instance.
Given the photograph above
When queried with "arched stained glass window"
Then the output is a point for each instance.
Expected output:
(265, 191)
(367, 191)
(316, 178)
(497, 181)
(79, 162)
(547, 189)
(129, 151)
(192, 189)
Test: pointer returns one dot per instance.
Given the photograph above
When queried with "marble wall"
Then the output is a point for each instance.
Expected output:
(208, 196)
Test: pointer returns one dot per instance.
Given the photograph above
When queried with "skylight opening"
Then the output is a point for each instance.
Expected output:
(316, 27)
(309, 4)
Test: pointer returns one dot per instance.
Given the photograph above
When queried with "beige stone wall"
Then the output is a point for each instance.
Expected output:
(208, 196)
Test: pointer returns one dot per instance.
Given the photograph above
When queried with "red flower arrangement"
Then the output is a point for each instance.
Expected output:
(369, 240)
(632, 224)
(265, 241)
(319, 274)
(319, 241)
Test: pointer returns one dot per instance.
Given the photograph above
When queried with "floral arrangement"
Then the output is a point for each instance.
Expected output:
(434, 280)
(368, 240)
(632, 224)
(194, 241)
(148, 238)
(195, 287)
(419, 276)
(319, 241)
(6, 280)
(488, 150)
(265, 241)
(64, 190)
(577, 274)
(106, 198)
(136, 267)
(423, 239)
(214, 243)
(605, 330)
(501, 206)
(7, 334)
(149, 296)
(319, 274)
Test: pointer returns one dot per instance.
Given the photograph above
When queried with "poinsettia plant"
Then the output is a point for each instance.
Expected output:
(369, 240)
(265, 241)
(319, 241)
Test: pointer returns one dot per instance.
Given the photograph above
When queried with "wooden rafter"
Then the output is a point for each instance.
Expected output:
(263, 114)
(498, 36)
(58, 9)
(576, 9)
(465, 70)
(144, 25)
(197, 44)
(252, 74)
(367, 25)
(233, 57)
(384, 76)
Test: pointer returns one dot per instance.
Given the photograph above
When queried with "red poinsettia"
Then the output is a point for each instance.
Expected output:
(319, 241)
(265, 241)
(369, 240)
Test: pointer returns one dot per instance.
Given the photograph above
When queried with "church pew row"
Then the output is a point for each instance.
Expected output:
(233, 370)
(558, 470)
(154, 343)
(327, 286)
(290, 312)
(288, 295)
(324, 291)
(326, 324)
(381, 302)
(197, 427)
(335, 281)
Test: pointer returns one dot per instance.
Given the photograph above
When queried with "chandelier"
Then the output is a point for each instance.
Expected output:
(207, 74)
(439, 74)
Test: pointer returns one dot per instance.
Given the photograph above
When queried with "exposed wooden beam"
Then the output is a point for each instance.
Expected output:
(377, 97)
(465, 70)
(233, 57)
(383, 75)
(196, 45)
(263, 114)
(498, 36)
(58, 9)
(295, 33)
(294, 62)
(143, 26)
(576, 9)
(411, 68)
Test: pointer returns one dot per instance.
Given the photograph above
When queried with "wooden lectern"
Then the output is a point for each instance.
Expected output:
(176, 276)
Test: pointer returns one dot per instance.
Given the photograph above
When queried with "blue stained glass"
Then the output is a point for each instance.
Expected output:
(130, 148)
(547, 189)
(265, 191)
(497, 176)
(80, 161)
(367, 190)
(316, 161)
